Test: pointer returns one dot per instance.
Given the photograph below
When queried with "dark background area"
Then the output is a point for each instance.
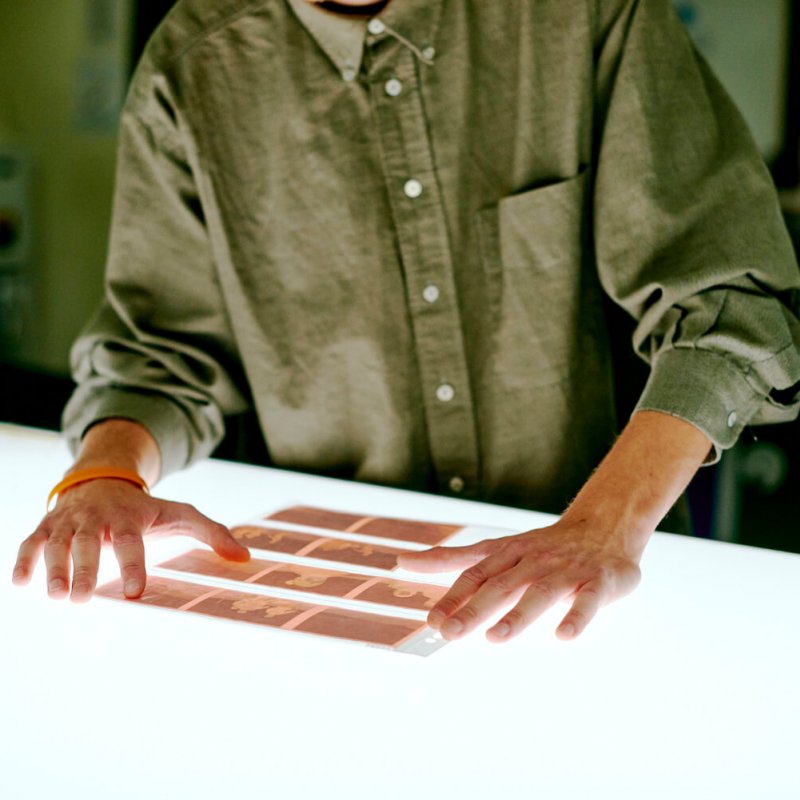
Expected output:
(741, 494)
(148, 14)
(786, 169)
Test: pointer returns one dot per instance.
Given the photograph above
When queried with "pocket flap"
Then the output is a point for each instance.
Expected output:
(543, 227)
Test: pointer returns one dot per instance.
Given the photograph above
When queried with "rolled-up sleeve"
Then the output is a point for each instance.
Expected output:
(160, 350)
(689, 237)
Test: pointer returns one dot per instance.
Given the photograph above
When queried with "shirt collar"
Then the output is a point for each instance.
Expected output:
(415, 20)
(341, 36)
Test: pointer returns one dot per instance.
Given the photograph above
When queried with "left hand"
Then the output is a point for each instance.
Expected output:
(531, 571)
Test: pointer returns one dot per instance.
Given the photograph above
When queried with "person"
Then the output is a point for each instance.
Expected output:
(392, 233)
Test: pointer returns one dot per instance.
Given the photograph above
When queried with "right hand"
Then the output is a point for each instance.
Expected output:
(109, 510)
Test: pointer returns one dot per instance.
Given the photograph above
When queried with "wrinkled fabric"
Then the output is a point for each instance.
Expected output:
(268, 250)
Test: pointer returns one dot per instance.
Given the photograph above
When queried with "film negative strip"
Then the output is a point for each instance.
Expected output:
(403, 530)
(345, 586)
(396, 633)
(314, 545)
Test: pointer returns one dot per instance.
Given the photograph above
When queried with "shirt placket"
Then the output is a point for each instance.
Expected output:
(419, 222)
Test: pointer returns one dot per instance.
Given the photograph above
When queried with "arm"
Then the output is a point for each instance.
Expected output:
(687, 231)
(157, 369)
(590, 556)
(110, 510)
(160, 350)
(688, 239)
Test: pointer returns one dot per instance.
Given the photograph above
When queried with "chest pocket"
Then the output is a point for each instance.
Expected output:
(535, 249)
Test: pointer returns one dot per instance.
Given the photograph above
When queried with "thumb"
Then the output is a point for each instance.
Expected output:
(445, 559)
(190, 521)
(225, 545)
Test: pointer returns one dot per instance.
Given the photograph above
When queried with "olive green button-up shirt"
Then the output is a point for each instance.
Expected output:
(392, 238)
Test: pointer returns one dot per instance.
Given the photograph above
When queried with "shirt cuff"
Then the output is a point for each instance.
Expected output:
(163, 419)
(706, 389)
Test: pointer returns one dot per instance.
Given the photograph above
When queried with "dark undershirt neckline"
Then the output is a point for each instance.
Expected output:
(369, 10)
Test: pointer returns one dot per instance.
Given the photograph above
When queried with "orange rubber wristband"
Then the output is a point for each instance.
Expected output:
(96, 473)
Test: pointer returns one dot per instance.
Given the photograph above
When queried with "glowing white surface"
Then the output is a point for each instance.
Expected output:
(687, 689)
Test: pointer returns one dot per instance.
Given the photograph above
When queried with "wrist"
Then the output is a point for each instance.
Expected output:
(121, 460)
(121, 444)
(79, 477)
(640, 479)
(623, 524)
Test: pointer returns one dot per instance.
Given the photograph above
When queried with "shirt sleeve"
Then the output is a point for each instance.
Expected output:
(160, 350)
(689, 236)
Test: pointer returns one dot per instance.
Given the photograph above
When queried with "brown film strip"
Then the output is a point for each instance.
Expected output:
(325, 548)
(375, 629)
(402, 530)
(302, 578)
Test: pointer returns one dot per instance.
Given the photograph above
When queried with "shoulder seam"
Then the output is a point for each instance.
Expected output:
(217, 26)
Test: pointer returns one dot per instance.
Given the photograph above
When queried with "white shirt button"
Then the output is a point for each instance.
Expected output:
(428, 53)
(430, 294)
(376, 27)
(413, 188)
(456, 484)
(393, 87)
(445, 392)
(732, 419)
(349, 74)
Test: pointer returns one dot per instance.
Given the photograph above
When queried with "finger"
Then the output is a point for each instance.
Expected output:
(588, 601)
(56, 559)
(465, 586)
(129, 550)
(497, 593)
(219, 538)
(539, 596)
(85, 562)
(28, 555)
(447, 559)
(188, 521)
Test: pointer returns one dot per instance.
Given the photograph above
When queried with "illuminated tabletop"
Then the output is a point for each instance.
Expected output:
(689, 688)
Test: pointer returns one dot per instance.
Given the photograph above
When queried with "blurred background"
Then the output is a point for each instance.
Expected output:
(65, 68)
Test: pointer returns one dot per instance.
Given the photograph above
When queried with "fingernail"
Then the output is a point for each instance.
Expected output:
(568, 630)
(501, 630)
(18, 575)
(55, 585)
(453, 626)
(131, 587)
(435, 619)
